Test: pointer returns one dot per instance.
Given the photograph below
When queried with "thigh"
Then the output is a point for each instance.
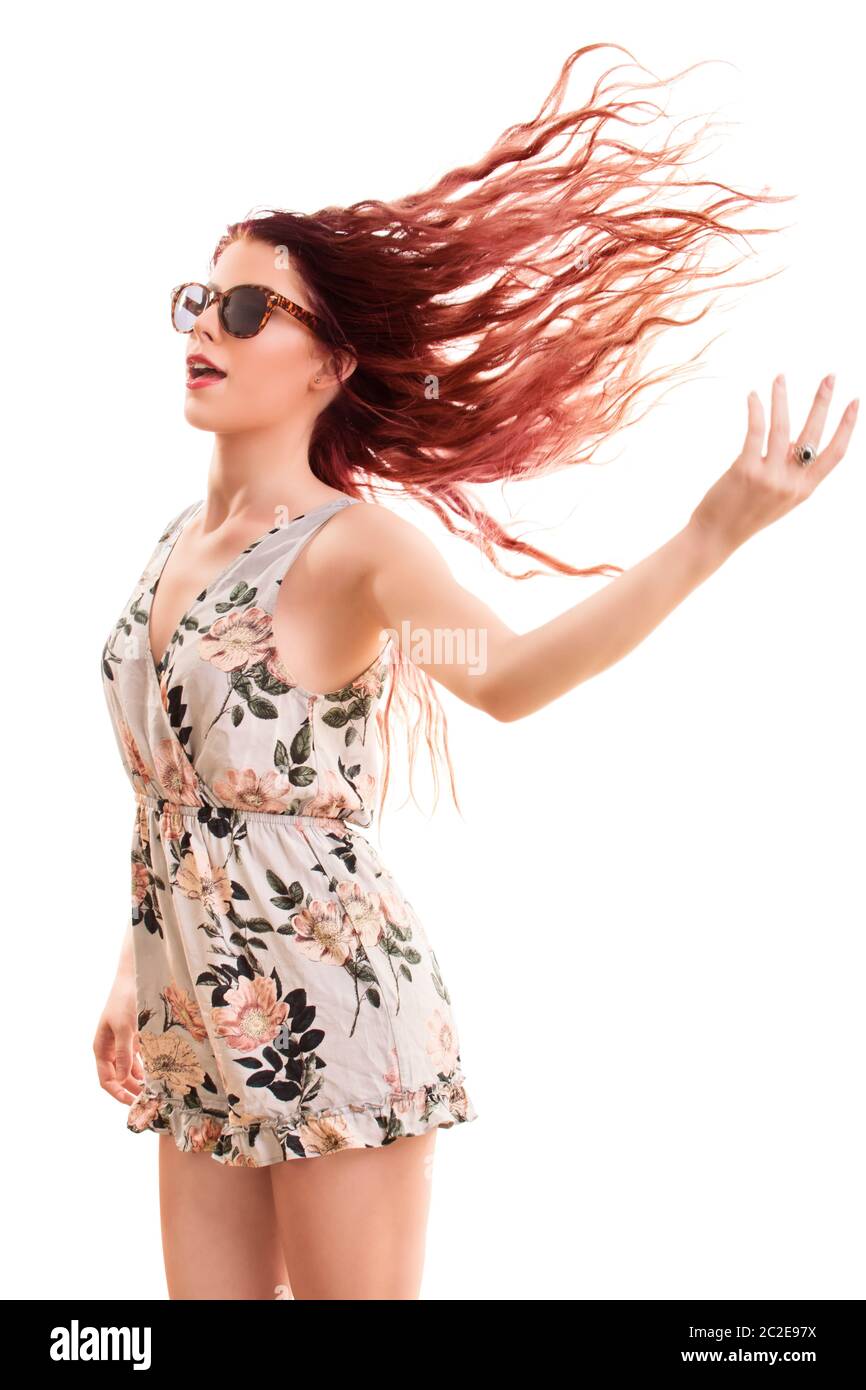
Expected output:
(354, 1222)
(219, 1230)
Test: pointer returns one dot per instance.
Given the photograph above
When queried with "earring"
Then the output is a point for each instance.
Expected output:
(317, 378)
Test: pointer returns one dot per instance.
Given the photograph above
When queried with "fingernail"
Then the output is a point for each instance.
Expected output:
(830, 380)
(780, 379)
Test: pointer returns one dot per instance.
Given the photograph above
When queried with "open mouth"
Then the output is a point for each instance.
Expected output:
(196, 371)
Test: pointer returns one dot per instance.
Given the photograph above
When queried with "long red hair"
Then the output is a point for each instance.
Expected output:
(500, 320)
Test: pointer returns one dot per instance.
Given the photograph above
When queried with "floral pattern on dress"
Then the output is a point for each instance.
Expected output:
(289, 1001)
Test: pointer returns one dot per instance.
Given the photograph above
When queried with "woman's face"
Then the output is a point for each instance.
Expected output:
(271, 377)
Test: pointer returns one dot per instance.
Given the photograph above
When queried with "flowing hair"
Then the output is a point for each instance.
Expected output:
(499, 321)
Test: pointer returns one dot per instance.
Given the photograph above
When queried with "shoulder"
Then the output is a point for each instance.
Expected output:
(177, 520)
(373, 537)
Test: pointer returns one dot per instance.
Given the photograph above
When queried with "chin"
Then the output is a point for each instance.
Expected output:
(201, 419)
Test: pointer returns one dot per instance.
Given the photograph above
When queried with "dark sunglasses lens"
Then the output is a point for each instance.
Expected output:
(189, 305)
(243, 310)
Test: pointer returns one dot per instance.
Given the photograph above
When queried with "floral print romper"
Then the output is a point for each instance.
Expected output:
(289, 1002)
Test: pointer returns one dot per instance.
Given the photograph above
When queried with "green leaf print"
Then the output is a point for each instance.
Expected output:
(275, 882)
(262, 708)
(287, 898)
(302, 743)
(301, 776)
(265, 681)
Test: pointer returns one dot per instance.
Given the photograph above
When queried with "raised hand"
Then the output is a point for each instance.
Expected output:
(759, 487)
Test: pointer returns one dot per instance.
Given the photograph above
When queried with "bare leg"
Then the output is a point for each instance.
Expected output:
(219, 1228)
(354, 1222)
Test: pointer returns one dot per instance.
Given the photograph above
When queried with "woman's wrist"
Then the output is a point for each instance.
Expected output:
(712, 547)
(126, 964)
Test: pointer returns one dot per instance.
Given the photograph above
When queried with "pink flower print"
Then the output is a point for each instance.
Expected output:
(185, 1011)
(238, 640)
(169, 1060)
(395, 910)
(322, 934)
(328, 803)
(175, 774)
(363, 912)
(135, 762)
(455, 1097)
(369, 682)
(403, 1101)
(211, 886)
(250, 791)
(410, 1102)
(142, 1110)
(203, 1137)
(392, 1075)
(442, 1044)
(420, 1100)
(252, 1016)
(328, 1134)
(140, 883)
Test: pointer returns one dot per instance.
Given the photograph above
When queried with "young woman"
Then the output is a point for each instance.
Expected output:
(277, 997)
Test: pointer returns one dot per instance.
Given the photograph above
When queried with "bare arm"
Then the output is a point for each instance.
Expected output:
(459, 641)
(543, 664)
(126, 964)
(118, 1063)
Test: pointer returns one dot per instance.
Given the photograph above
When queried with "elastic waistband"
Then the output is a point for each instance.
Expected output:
(185, 812)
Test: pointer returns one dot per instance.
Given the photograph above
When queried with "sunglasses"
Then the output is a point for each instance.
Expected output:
(243, 310)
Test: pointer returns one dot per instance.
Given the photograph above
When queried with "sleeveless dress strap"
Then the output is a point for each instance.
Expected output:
(282, 546)
(169, 530)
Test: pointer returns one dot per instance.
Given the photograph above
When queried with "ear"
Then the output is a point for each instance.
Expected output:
(346, 362)
(338, 366)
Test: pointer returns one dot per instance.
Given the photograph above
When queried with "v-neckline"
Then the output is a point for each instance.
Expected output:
(156, 668)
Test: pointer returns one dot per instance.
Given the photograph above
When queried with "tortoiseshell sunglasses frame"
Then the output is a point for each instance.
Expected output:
(274, 301)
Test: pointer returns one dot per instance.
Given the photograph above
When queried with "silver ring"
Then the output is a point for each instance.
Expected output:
(805, 454)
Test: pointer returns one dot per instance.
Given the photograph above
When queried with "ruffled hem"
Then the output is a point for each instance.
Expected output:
(253, 1142)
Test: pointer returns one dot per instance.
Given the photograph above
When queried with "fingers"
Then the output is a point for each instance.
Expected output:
(113, 1062)
(120, 1092)
(817, 418)
(754, 443)
(835, 450)
(777, 443)
(130, 1086)
(115, 1082)
(122, 1058)
(779, 451)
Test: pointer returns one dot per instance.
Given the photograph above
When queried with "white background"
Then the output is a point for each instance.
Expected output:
(650, 915)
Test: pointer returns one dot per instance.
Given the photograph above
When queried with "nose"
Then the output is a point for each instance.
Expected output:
(207, 324)
(208, 320)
